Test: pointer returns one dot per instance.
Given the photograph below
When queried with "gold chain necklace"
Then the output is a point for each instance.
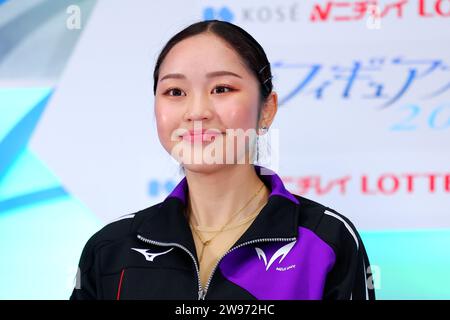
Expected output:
(207, 242)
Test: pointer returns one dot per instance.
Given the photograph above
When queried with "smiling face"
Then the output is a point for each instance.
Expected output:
(204, 84)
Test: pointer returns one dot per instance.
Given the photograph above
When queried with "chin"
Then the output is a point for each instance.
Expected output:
(204, 168)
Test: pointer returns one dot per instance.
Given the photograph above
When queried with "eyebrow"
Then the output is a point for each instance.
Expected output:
(208, 75)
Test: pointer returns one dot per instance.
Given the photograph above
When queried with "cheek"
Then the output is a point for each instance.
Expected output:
(239, 114)
(166, 122)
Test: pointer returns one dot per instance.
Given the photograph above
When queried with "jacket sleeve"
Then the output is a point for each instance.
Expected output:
(350, 278)
(86, 279)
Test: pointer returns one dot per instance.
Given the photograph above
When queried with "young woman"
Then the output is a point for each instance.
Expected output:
(230, 229)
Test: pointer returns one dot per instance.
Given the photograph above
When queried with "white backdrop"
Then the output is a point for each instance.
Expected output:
(372, 143)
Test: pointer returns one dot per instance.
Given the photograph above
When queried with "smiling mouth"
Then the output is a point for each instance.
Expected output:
(201, 137)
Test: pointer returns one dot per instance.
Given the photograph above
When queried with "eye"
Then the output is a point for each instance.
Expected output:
(176, 92)
(223, 87)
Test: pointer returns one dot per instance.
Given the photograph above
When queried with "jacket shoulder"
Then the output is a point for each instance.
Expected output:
(121, 227)
(328, 224)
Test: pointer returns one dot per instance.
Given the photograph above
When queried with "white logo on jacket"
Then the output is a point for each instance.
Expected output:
(282, 252)
(150, 256)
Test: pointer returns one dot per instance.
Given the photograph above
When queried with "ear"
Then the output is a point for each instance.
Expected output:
(269, 110)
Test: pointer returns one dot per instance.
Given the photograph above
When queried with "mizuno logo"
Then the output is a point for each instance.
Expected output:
(282, 252)
(150, 256)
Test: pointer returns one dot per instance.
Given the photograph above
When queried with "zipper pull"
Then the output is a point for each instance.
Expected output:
(201, 294)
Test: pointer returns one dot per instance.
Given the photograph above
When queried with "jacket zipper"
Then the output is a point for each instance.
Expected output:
(200, 289)
(203, 291)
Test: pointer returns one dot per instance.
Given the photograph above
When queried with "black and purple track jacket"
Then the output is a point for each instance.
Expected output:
(295, 249)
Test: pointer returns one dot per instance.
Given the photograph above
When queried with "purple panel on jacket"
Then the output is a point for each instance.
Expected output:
(300, 275)
(274, 181)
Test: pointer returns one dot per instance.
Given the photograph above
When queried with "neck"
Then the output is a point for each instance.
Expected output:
(216, 196)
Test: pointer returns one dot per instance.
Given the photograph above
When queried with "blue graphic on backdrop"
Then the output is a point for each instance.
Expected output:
(224, 14)
(318, 80)
(11, 147)
(156, 187)
(418, 117)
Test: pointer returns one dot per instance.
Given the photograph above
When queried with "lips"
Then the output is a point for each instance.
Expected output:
(204, 135)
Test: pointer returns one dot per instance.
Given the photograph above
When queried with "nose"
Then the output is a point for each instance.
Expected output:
(198, 109)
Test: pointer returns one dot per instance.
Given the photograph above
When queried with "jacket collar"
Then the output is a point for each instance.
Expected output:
(278, 218)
